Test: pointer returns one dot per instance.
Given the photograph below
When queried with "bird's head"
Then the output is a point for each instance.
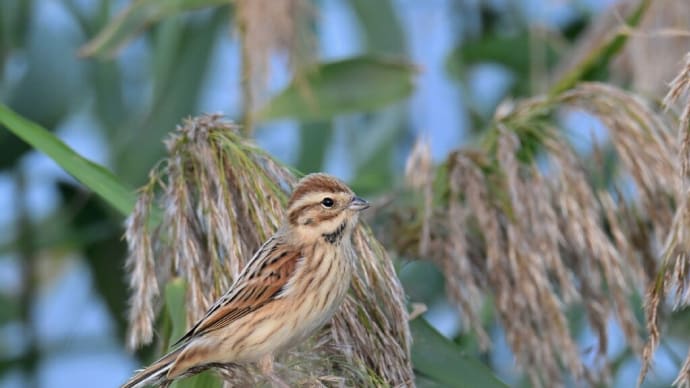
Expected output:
(323, 207)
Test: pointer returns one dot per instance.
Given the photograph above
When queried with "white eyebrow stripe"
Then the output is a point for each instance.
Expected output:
(309, 199)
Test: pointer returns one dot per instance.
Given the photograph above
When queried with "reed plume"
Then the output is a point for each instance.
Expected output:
(221, 197)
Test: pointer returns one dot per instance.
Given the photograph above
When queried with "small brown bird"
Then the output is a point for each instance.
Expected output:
(292, 286)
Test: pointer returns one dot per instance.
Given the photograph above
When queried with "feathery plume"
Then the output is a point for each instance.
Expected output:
(523, 222)
(143, 281)
(419, 175)
(673, 271)
(221, 197)
(267, 27)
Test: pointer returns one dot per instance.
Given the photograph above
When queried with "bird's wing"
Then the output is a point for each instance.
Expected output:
(260, 283)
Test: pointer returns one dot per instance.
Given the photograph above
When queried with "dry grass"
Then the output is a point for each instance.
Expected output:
(523, 224)
(419, 175)
(222, 197)
(656, 45)
(673, 272)
(269, 27)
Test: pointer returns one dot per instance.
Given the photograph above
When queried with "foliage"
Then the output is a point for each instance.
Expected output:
(352, 85)
(93, 176)
(525, 230)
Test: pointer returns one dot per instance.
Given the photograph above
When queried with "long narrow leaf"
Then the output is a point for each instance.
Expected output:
(92, 175)
(441, 360)
(358, 84)
(133, 19)
(381, 27)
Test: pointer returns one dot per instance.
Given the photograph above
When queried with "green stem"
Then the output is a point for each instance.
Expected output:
(602, 54)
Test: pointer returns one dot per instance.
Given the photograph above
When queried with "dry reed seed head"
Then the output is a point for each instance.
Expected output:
(187, 252)
(508, 146)
(673, 274)
(680, 84)
(464, 173)
(381, 302)
(656, 46)
(504, 109)
(676, 253)
(611, 213)
(273, 26)
(653, 48)
(525, 267)
(418, 167)
(528, 266)
(653, 302)
(548, 235)
(419, 175)
(556, 240)
(222, 197)
(683, 378)
(462, 284)
(546, 245)
(680, 87)
(581, 212)
(633, 121)
(516, 301)
(643, 142)
(142, 280)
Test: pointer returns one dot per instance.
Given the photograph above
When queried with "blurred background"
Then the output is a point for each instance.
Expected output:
(62, 282)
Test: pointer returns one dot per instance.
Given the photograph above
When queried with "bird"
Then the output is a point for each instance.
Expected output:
(293, 285)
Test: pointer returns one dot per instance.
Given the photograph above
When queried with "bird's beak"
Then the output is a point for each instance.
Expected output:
(358, 204)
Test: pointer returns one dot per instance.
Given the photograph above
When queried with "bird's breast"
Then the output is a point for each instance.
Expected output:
(327, 281)
(315, 293)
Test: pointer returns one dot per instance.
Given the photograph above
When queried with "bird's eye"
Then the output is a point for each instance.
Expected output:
(327, 202)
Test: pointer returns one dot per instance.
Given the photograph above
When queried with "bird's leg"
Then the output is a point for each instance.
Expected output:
(266, 366)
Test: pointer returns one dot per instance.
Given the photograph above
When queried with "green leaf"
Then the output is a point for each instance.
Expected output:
(183, 49)
(92, 175)
(203, 380)
(511, 51)
(380, 25)
(314, 140)
(11, 149)
(439, 359)
(14, 26)
(175, 292)
(359, 84)
(421, 279)
(9, 309)
(382, 33)
(34, 94)
(423, 382)
(89, 227)
(134, 19)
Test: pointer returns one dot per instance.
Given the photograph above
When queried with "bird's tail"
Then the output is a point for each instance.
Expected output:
(155, 373)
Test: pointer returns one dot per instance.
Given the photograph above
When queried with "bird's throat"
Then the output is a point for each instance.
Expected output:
(337, 235)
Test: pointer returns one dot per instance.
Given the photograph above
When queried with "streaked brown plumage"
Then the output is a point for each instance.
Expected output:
(291, 287)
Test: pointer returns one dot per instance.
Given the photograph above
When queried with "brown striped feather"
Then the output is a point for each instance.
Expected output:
(255, 293)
